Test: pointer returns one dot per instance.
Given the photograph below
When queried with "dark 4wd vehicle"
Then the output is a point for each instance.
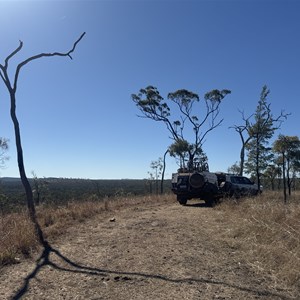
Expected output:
(203, 185)
(210, 187)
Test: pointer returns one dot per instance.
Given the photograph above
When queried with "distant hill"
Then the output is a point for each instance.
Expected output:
(9, 179)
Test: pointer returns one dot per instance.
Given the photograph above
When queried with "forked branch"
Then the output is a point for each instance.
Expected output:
(26, 61)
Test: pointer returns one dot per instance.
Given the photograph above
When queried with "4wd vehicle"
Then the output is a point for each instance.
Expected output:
(210, 187)
(203, 185)
(236, 186)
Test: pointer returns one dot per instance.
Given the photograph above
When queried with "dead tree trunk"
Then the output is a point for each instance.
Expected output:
(12, 89)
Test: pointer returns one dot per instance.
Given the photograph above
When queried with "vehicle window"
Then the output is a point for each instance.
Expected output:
(232, 179)
(235, 179)
(240, 180)
(246, 180)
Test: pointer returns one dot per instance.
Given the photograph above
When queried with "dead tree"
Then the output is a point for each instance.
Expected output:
(11, 83)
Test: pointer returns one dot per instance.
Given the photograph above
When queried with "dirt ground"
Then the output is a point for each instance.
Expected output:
(157, 251)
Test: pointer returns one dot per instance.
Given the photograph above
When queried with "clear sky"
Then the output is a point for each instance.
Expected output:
(76, 116)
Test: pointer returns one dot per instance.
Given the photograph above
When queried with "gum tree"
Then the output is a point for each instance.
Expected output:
(244, 134)
(261, 130)
(3, 149)
(288, 148)
(157, 167)
(10, 79)
(177, 113)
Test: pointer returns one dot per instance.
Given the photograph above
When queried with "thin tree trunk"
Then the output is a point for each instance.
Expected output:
(272, 179)
(24, 179)
(163, 173)
(257, 163)
(289, 181)
(242, 157)
(283, 177)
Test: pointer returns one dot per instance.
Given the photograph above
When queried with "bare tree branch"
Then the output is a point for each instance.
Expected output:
(26, 61)
(12, 54)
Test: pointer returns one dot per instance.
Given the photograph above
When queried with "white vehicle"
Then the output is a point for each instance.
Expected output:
(237, 186)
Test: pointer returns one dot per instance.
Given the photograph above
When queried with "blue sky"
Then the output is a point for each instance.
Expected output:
(77, 118)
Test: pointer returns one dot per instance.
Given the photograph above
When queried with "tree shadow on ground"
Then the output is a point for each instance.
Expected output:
(44, 260)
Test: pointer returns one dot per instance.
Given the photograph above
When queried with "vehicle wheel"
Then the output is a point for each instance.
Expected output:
(210, 202)
(227, 189)
(181, 200)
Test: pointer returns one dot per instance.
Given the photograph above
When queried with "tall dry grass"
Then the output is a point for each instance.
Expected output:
(268, 233)
(17, 238)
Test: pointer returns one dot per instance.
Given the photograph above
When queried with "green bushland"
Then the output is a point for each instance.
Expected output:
(60, 191)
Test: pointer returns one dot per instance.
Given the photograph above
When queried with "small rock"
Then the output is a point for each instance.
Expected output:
(17, 260)
(112, 219)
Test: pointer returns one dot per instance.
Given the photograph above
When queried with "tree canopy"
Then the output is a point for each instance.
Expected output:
(260, 128)
(177, 113)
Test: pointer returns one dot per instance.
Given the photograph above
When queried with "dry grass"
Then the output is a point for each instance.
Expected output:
(263, 228)
(268, 233)
(17, 238)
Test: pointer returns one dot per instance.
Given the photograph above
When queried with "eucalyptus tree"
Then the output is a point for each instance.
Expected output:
(245, 136)
(181, 149)
(177, 113)
(3, 149)
(261, 130)
(235, 168)
(272, 172)
(288, 148)
(3, 159)
(10, 79)
(157, 168)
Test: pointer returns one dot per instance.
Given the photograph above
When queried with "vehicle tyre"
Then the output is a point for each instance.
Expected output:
(210, 199)
(210, 202)
(182, 200)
